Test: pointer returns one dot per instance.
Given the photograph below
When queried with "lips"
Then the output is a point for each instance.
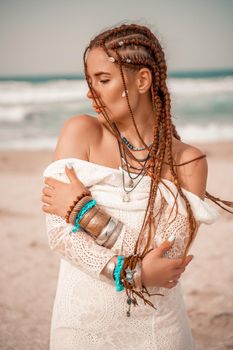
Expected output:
(98, 109)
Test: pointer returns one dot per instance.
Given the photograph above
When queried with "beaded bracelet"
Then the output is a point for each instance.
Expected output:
(78, 206)
(78, 198)
(100, 225)
(117, 273)
(82, 212)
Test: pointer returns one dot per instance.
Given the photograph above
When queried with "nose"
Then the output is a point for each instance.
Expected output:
(91, 95)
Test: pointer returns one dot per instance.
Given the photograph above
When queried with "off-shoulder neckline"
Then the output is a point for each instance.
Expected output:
(120, 169)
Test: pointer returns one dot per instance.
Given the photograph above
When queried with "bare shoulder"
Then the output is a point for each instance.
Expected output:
(76, 136)
(193, 174)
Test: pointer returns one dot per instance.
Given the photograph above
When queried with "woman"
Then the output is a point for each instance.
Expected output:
(127, 169)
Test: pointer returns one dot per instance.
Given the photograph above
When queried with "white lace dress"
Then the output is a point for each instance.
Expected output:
(88, 313)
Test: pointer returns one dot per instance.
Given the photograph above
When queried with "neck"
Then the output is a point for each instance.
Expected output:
(144, 120)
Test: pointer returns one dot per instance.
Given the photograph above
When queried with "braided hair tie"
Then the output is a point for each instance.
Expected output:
(127, 278)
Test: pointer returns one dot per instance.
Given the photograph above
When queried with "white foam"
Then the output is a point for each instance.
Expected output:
(206, 134)
(201, 86)
(25, 93)
(13, 114)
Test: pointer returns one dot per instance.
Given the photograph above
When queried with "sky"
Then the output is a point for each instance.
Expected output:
(49, 36)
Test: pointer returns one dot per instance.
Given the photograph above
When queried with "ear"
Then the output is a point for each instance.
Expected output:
(144, 80)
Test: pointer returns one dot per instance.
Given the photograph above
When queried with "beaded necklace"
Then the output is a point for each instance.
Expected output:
(141, 170)
(130, 146)
(127, 165)
(132, 184)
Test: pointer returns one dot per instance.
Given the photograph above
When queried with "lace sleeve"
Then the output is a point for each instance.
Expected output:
(170, 223)
(77, 248)
(179, 226)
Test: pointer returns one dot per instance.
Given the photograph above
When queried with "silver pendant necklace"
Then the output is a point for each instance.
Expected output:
(142, 171)
(132, 185)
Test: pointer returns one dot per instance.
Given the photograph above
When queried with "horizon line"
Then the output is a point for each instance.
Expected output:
(71, 76)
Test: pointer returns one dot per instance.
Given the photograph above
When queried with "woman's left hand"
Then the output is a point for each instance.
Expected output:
(59, 196)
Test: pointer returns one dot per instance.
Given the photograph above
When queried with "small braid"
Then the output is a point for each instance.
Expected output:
(132, 47)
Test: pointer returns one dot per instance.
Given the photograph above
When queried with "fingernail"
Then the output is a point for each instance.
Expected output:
(69, 165)
(171, 238)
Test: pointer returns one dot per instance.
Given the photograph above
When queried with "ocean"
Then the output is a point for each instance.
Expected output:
(33, 109)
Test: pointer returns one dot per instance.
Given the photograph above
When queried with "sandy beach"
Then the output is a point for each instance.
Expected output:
(29, 269)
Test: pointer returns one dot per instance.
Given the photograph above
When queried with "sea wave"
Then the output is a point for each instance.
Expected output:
(202, 109)
(201, 86)
(15, 92)
(206, 134)
(12, 93)
(13, 114)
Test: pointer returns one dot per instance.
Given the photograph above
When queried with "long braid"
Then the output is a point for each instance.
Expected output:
(133, 47)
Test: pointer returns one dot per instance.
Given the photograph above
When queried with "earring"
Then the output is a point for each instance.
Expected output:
(124, 94)
(111, 59)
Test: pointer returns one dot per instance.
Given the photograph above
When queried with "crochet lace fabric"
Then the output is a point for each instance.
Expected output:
(88, 313)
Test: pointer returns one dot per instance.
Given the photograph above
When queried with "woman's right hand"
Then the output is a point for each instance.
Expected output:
(159, 271)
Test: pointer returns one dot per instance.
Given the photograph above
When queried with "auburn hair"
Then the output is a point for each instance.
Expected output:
(133, 46)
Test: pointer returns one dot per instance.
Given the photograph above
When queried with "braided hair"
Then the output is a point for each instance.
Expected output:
(133, 47)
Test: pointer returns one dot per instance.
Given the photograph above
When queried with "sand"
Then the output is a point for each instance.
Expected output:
(28, 269)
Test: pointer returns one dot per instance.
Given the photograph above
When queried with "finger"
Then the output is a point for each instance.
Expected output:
(70, 172)
(51, 182)
(181, 263)
(187, 260)
(46, 200)
(47, 191)
(176, 276)
(170, 285)
(47, 209)
(180, 270)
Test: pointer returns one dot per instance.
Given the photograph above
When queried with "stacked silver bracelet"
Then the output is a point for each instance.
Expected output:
(137, 278)
(137, 275)
(110, 233)
(109, 270)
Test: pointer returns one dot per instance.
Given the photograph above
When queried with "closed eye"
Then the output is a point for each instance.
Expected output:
(104, 81)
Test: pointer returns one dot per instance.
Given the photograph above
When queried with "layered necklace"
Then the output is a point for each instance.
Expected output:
(134, 177)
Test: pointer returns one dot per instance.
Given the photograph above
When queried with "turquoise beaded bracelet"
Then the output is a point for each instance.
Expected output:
(82, 212)
(117, 273)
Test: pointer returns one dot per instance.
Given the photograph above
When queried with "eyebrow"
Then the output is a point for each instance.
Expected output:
(100, 73)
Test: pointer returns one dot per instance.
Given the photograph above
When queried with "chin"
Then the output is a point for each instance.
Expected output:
(101, 118)
(113, 119)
